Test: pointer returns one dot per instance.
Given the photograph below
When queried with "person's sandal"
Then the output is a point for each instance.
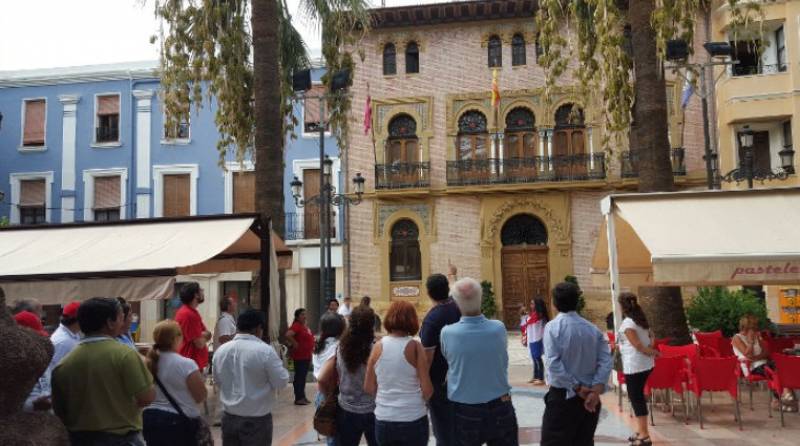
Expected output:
(633, 438)
(642, 442)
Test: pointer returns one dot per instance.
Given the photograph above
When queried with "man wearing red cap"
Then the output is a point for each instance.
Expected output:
(39, 398)
(67, 335)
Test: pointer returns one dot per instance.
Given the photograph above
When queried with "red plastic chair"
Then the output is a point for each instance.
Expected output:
(688, 351)
(715, 375)
(749, 379)
(786, 375)
(662, 341)
(778, 345)
(668, 374)
(709, 337)
(709, 343)
(725, 347)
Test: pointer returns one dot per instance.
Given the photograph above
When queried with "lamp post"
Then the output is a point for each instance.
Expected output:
(747, 171)
(301, 82)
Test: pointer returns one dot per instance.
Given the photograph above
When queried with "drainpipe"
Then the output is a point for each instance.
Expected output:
(132, 170)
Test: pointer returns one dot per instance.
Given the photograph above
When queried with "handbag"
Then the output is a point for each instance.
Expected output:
(617, 358)
(196, 427)
(325, 415)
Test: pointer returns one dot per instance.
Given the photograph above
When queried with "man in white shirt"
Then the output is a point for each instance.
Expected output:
(346, 308)
(248, 371)
(225, 329)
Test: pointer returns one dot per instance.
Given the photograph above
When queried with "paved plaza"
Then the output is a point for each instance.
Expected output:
(293, 425)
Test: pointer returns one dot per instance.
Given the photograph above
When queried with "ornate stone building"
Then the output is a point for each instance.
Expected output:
(509, 194)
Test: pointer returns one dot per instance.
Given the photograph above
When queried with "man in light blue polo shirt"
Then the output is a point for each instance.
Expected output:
(477, 377)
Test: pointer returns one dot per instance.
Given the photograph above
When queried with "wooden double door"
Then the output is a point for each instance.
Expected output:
(525, 275)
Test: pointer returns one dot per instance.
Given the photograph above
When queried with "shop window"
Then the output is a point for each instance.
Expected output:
(405, 257)
(412, 58)
(495, 52)
(389, 59)
(518, 50)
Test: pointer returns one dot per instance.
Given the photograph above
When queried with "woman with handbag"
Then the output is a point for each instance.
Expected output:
(355, 408)
(331, 327)
(173, 419)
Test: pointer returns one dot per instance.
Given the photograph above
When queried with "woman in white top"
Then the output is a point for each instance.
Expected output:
(163, 423)
(753, 353)
(532, 335)
(635, 346)
(331, 327)
(397, 374)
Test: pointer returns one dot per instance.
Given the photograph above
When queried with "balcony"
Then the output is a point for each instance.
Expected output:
(305, 225)
(751, 70)
(402, 175)
(630, 163)
(584, 167)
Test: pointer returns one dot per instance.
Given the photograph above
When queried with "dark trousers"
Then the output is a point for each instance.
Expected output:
(351, 426)
(162, 428)
(493, 423)
(133, 438)
(399, 433)
(441, 412)
(566, 422)
(299, 383)
(246, 431)
(635, 385)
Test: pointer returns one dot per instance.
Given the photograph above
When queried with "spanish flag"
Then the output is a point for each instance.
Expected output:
(495, 90)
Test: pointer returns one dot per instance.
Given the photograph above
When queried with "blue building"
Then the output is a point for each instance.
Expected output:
(89, 144)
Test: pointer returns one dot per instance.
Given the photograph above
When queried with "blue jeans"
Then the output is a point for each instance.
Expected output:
(350, 426)
(493, 423)
(402, 433)
(537, 350)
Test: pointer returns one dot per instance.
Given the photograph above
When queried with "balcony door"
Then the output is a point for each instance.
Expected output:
(569, 143)
(520, 145)
(311, 211)
(402, 152)
(473, 148)
(761, 155)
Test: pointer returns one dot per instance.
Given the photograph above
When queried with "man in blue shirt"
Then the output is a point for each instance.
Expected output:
(444, 312)
(476, 350)
(578, 364)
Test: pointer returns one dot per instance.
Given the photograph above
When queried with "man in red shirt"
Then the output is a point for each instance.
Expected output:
(195, 337)
(301, 343)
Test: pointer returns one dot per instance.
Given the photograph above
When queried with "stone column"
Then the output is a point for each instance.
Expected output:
(591, 148)
(542, 145)
(550, 148)
(68, 151)
(143, 125)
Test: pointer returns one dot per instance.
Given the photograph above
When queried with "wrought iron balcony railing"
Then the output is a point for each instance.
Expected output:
(305, 225)
(583, 167)
(630, 163)
(402, 175)
(750, 70)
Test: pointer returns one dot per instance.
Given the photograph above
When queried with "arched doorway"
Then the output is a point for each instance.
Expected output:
(524, 263)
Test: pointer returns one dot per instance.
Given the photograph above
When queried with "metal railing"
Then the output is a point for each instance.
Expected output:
(402, 175)
(305, 225)
(107, 134)
(751, 70)
(583, 167)
(629, 163)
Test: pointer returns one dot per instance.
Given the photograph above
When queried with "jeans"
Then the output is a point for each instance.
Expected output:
(493, 423)
(537, 350)
(162, 428)
(402, 433)
(299, 382)
(246, 431)
(85, 438)
(350, 426)
(441, 412)
(566, 422)
(635, 385)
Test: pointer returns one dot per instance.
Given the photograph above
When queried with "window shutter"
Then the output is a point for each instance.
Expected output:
(34, 123)
(106, 192)
(244, 192)
(108, 105)
(311, 106)
(176, 195)
(32, 193)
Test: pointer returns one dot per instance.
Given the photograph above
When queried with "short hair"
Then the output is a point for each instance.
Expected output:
(250, 320)
(366, 300)
(298, 312)
(333, 301)
(25, 305)
(438, 287)
(225, 304)
(188, 291)
(468, 294)
(565, 297)
(402, 316)
(94, 313)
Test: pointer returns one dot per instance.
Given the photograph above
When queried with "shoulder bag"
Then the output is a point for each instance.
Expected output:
(196, 428)
(325, 415)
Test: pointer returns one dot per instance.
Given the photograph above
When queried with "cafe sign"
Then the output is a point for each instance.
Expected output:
(721, 272)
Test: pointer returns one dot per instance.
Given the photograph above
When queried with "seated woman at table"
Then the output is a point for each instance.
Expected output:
(752, 351)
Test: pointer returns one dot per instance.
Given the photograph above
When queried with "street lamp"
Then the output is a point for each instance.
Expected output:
(301, 83)
(746, 170)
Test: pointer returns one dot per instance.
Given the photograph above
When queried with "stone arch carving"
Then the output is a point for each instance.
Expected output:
(555, 226)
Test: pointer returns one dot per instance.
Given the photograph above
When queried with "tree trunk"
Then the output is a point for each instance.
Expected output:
(269, 127)
(648, 138)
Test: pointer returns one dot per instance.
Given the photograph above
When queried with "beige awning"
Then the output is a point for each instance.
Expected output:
(135, 259)
(705, 237)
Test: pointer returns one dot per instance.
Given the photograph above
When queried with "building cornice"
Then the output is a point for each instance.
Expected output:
(81, 74)
(452, 12)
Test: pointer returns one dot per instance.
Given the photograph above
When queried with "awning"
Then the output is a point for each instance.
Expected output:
(135, 259)
(703, 237)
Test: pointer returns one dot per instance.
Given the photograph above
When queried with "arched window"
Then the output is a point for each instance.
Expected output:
(473, 137)
(495, 52)
(569, 140)
(412, 57)
(405, 259)
(389, 59)
(402, 145)
(520, 137)
(517, 50)
(523, 229)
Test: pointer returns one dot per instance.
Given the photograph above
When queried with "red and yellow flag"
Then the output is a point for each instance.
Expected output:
(495, 90)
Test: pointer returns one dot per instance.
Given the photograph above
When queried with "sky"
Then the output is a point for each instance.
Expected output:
(60, 33)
